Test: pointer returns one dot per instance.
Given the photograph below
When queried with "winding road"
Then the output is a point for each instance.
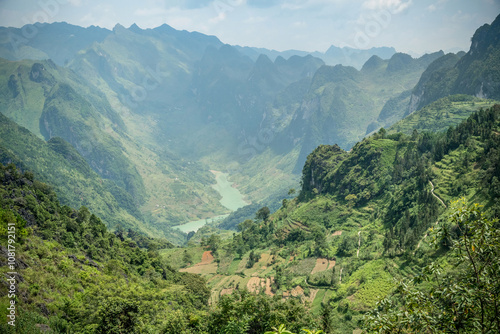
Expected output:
(432, 192)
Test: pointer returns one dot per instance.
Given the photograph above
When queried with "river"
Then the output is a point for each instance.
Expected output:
(231, 199)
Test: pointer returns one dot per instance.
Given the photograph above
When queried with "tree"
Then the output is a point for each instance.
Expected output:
(252, 259)
(347, 244)
(245, 225)
(186, 257)
(282, 330)
(213, 242)
(263, 213)
(118, 315)
(464, 300)
(351, 200)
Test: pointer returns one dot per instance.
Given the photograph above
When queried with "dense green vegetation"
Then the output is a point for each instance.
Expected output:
(464, 299)
(75, 276)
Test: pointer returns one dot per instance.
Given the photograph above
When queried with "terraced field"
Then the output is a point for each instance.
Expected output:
(227, 274)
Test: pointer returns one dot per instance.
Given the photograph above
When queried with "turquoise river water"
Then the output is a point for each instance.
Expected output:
(231, 199)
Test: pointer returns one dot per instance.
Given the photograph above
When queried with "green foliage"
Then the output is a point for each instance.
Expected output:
(280, 330)
(263, 213)
(441, 114)
(83, 277)
(325, 278)
(252, 259)
(257, 313)
(464, 299)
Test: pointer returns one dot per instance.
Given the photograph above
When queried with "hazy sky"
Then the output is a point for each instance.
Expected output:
(414, 26)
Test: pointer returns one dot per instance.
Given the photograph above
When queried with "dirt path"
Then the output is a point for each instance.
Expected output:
(440, 200)
(425, 236)
(340, 276)
(432, 192)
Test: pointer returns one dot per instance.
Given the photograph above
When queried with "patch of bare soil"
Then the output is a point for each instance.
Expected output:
(253, 284)
(206, 258)
(297, 291)
(269, 281)
(331, 264)
(321, 265)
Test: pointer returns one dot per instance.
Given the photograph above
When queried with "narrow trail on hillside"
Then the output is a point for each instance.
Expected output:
(439, 199)
(432, 192)
(359, 243)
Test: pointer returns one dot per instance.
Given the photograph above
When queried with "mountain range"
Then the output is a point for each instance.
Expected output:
(125, 130)
(154, 102)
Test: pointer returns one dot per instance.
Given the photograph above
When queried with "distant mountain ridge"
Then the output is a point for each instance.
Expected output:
(343, 104)
(58, 41)
(335, 55)
(37, 42)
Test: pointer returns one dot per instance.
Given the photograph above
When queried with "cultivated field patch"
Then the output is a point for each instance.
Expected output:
(206, 266)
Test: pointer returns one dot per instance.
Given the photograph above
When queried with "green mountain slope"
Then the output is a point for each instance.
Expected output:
(54, 102)
(50, 103)
(57, 162)
(441, 114)
(475, 73)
